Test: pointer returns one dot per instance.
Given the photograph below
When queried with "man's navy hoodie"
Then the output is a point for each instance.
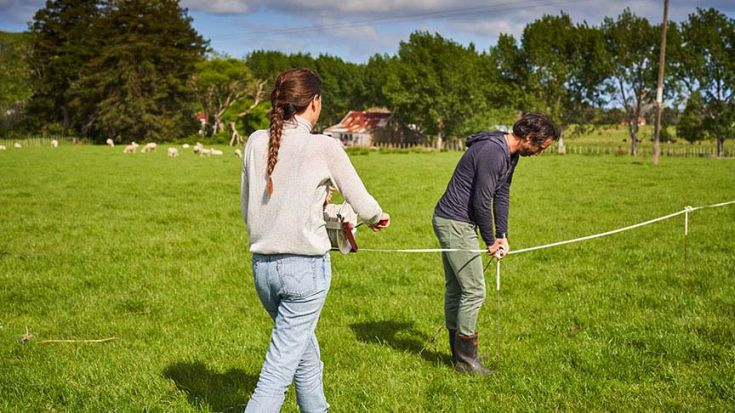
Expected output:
(480, 186)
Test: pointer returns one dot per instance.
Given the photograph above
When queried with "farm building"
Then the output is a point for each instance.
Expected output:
(359, 128)
(375, 128)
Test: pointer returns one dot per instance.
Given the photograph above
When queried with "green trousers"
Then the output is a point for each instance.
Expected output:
(464, 282)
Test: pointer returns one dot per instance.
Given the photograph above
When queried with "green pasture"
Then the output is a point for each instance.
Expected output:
(152, 250)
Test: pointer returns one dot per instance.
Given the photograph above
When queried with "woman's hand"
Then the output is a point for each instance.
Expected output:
(383, 223)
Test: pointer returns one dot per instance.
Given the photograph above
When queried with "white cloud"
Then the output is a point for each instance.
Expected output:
(219, 6)
(357, 29)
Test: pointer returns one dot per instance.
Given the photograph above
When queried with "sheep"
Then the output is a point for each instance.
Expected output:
(3, 148)
(198, 147)
(216, 151)
(185, 146)
(54, 143)
(17, 145)
(238, 153)
(149, 147)
(173, 152)
(132, 148)
(205, 152)
(110, 143)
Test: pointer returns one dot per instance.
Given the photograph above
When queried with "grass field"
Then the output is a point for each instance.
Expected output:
(153, 251)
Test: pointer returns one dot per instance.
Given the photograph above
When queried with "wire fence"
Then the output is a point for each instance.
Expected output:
(683, 151)
(669, 150)
(697, 150)
(39, 141)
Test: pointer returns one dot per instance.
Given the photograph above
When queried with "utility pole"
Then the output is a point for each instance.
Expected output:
(660, 85)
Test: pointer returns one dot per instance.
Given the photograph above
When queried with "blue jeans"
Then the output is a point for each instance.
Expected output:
(292, 289)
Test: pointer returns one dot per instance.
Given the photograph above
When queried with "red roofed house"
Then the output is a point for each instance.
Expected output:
(359, 128)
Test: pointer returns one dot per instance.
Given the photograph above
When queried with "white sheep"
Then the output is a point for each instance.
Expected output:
(3, 148)
(216, 151)
(185, 146)
(149, 147)
(132, 148)
(110, 142)
(173, 152)
(205, 152)
(17, 145)
(238, 153)
(198, 147)
(54, 143)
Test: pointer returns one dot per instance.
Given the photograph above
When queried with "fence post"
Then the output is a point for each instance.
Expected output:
(686, 238)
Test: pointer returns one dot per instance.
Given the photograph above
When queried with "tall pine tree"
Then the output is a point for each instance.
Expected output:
(141, 78)
(62, 40)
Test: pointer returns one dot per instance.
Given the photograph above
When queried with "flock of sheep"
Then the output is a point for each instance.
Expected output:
(199, 149)
(17, 145)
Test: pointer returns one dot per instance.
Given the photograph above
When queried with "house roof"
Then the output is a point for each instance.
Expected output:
(361, 122)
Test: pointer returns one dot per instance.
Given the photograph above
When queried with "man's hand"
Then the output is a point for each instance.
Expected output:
(383, 223)
(499, 249)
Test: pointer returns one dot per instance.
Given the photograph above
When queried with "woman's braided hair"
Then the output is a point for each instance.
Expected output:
(292, 94)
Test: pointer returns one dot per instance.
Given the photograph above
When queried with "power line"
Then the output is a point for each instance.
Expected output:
(445, 14)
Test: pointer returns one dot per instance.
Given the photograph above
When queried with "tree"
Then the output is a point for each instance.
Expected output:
(15, 89)
(547, 48)
(342, 88)
(376, 73)
(632, 44)
(706, 65)
(691, 126)
(565, 66)
(220, 83)
(435, 86)
(512, 73)
(63, 38)
(140, 79)
(267, 64)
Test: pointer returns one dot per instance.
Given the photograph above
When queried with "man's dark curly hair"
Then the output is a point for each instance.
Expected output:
(536, 125)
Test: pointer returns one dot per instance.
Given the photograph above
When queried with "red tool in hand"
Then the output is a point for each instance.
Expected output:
(349, 235)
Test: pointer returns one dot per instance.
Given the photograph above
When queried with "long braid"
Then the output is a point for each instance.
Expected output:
(274, 143)
(292, 93)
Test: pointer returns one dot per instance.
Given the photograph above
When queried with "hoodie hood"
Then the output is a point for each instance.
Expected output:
(481, 136)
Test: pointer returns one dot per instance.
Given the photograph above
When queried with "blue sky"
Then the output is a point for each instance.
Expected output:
(357, 29)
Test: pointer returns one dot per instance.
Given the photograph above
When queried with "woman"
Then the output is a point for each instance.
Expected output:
(285, 181)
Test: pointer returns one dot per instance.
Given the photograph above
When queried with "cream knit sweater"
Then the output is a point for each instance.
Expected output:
(290, 221)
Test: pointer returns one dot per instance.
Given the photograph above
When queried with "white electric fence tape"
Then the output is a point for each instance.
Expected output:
(685, 211)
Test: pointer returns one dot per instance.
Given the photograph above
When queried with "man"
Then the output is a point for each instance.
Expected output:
(477, 196)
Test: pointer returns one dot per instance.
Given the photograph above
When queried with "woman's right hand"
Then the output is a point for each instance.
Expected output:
(383, 223)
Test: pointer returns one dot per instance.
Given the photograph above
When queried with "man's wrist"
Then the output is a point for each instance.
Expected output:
(503, 235)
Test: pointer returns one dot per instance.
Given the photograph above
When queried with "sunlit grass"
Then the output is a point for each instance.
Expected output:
(153, 251)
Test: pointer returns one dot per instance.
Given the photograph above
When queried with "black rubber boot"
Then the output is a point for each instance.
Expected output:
(452, 333)
(466, 356)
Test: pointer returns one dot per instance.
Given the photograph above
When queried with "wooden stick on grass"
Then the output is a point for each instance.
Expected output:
(102, 340)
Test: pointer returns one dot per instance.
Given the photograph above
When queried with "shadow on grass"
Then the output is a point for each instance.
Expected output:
(400, 336)
(226, 392)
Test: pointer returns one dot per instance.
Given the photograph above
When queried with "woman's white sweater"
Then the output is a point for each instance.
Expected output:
(290, 220)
